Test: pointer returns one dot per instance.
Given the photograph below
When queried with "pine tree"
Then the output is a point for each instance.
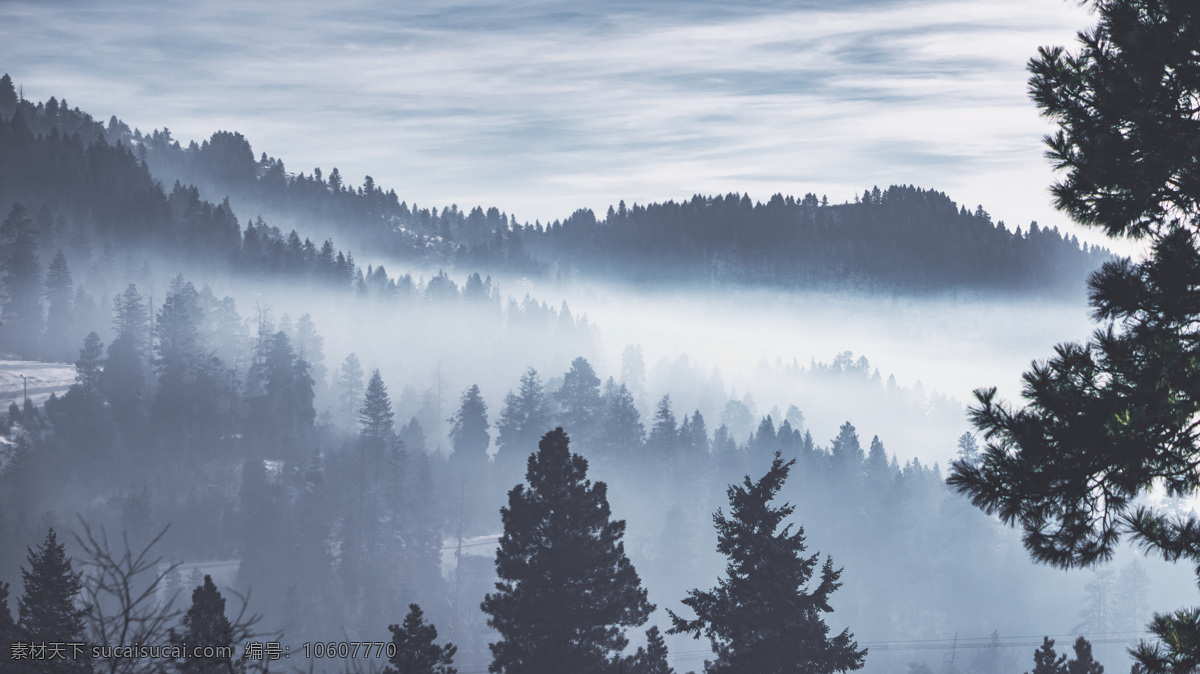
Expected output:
(59, 314)
(566, 591)
(1133, 588)
(282, 410)
(469, 427)
(350, 381)
(1046, 661)
(21, 319)
(847, 453)
(761, 618)
(310, 347)
(375, 415)
(180, 358)
(81, 417)
(205, 625)
(124, 377)
(8, 96)
(664, 434)
(878, 470)
(1083, 662)
(478, 488)
(88, 369)
(8, 628)
(416, 650)
(623, 431)
(649, 659)
(524, 417)
(48, 609)
(968, 448)
(764, 441)
(580, 398)
(1111, 417)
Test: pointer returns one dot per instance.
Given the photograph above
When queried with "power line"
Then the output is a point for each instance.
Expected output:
(974, 643)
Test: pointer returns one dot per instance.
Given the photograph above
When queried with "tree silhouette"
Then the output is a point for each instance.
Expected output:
(375, 415)
(1046, 661)
(650, 659)
(350, 380)
(761, 617)
(205, 625)
(47, 610)
(1083, 662)
(8, 628)
(21, 319)
(59, 315)
(1107, 419)
(566, 591)
(416, 650)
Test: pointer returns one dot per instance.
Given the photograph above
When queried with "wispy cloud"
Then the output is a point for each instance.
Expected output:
(542, 107)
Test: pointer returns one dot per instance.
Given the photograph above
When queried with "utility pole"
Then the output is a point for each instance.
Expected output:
(954, 655)
(458, 617)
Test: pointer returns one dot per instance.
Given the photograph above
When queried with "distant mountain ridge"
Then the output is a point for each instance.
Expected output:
(901, 238)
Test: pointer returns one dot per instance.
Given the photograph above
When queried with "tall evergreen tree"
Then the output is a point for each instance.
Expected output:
(21, 320)
(649, 659)
(310, 347)
(524, 418)
(580, 399)
(566, 591)
(89, 367)
(8, 628)
(205, 625)
(350, 381)
(1083, 662)
(81, 417)
(878, 471)
(968, 448)
(416, 649)
(1046, 661)
(761, 617)
(180, 359)
(59, 311)
(847, 453)
(623, 431)
(475, 483)
(124, 377)
(697, 444)
(1110, 418)
(764, 441)
(375, 415)
(8, 96)
(48, 610)
(469, 427)
(664, 434)
(282, 413)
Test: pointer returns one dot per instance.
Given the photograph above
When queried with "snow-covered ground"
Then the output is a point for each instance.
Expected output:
(43, 379)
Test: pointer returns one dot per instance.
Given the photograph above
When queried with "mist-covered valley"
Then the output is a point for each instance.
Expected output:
(327, 394)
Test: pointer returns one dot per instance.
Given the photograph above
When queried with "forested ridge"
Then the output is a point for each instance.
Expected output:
(902, 238)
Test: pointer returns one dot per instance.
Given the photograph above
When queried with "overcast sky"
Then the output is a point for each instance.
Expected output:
(543, 107)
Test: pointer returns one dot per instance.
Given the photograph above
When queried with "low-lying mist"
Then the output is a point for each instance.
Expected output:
(867, 391)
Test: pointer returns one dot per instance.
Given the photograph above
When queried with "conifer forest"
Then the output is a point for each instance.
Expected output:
(265, 418)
